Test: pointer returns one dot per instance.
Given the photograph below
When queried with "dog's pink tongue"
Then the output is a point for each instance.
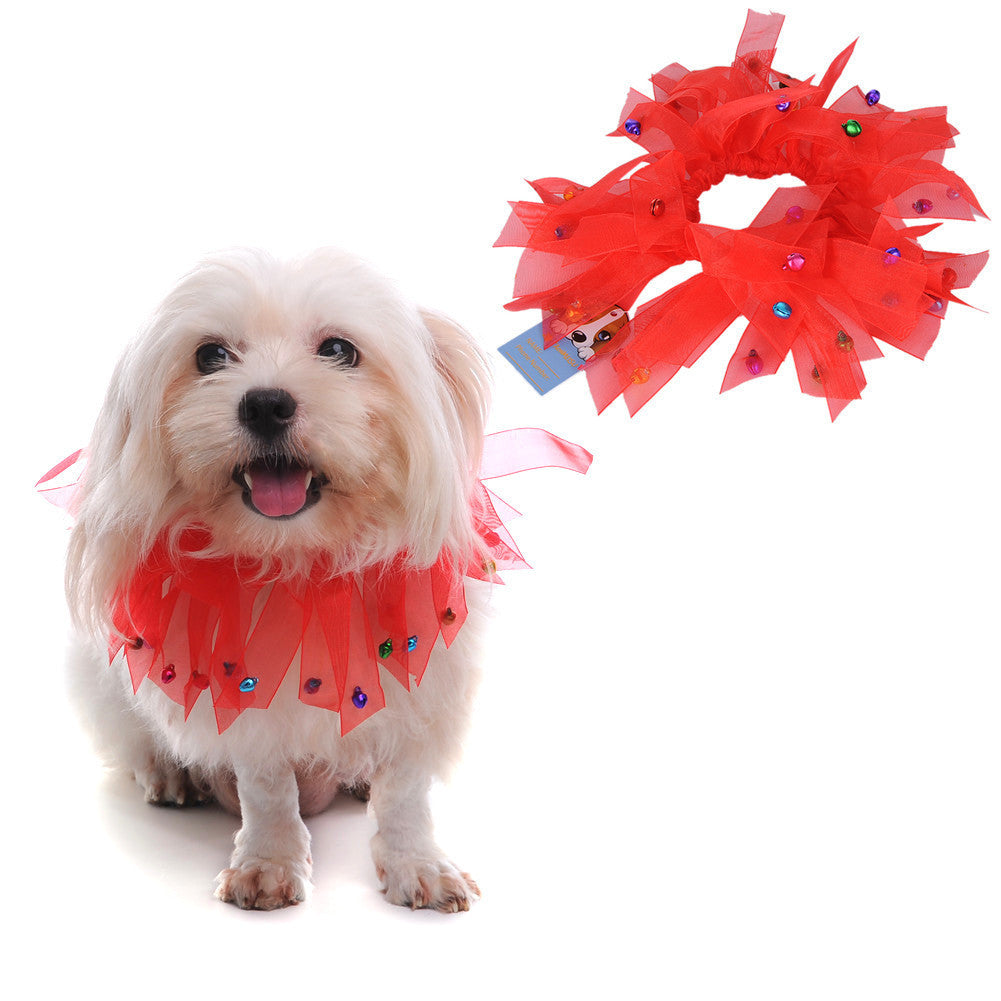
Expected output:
(278, 492)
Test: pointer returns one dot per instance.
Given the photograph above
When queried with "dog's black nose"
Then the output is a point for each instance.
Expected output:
(266, 412)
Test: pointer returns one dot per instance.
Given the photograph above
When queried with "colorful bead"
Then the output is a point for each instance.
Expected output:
(632, 126)
(448, 616)
(411, 643)
(782, 310)
(890, 300)
(783, 106)
(890, 256)
(138, 643)
(949, 278)
(952, 194)
(228, 667)
(852, 128)
(560, 233)
(312, 686)
(794, 262)
(922, 206)
(168, 674)
(248, 684)
(200, 681)
(753, 362)
(359, 698)
(794, 213)
(568, 193)
(844, 341)
(872, 97)
(385, 648)
(657, 208)
(489, 567)
(639, 376)
(936, 306)
(815, 374)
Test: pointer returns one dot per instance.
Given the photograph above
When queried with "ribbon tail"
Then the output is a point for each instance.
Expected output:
(516, 451)
(64, 494)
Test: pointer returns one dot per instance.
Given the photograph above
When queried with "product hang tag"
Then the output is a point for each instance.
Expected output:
(545, 368)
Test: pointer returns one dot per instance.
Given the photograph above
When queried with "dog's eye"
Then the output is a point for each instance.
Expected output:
(342, 351)
(211, 358)
(579, 336)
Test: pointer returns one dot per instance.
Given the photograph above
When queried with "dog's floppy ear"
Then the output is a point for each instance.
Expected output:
(464, 396)
(124, 492)
(466, 376)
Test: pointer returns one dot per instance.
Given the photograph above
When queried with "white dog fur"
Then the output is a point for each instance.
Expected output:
(397, 439)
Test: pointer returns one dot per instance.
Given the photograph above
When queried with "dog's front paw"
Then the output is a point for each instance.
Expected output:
(264, 884)
(423, 880)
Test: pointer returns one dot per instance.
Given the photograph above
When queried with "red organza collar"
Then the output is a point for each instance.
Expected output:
(825, 269)
(189, 624)
(192, 624)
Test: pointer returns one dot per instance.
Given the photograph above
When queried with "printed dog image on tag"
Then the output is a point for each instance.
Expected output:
(594, 337)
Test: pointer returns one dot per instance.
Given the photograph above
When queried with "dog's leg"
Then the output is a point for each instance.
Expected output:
(271, 864)
(413, 868)
(106, 705)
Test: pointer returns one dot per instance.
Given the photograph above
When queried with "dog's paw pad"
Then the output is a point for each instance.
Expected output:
(263, 885)
(428, 882)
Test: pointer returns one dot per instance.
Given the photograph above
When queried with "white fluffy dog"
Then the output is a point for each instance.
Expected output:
(300, 412)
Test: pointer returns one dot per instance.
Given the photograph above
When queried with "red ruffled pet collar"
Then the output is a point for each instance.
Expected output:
(190, 624)
(825, 269)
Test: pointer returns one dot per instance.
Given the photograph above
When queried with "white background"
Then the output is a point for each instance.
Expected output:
(738, 736)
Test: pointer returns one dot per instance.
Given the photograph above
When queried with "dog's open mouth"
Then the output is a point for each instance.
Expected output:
(278, 487)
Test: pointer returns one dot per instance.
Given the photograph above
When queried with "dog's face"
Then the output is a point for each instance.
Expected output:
(294, 409)
(301, 406)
